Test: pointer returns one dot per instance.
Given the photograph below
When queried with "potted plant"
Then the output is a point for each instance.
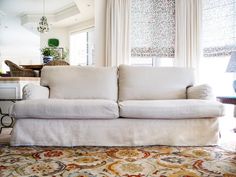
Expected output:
(48, 54)
(54, 53)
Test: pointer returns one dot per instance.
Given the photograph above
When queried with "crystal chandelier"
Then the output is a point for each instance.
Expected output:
(43, 23)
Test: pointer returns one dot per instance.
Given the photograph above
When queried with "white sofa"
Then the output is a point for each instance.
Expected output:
(125, 106)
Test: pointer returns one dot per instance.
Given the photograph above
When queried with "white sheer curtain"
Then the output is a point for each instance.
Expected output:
(117, 32)
(188, 33)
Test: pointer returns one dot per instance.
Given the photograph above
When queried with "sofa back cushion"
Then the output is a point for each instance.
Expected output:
(74, 82)
(149, 83)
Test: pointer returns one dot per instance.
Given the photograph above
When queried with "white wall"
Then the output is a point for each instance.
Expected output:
(100, 31)
(17, 43)
(58, 33)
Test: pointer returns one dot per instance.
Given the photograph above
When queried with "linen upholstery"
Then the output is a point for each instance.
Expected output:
(115, 132)
(82, 109)
(32, 91)
(170, 109)
(203, 92)
(73, 82)
(64, 108)
(149, 83)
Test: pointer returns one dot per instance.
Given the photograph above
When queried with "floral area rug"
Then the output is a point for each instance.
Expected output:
(153, 161)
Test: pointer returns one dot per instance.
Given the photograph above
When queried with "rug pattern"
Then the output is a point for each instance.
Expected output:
(154, 161)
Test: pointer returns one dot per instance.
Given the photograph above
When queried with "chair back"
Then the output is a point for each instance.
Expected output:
(17, 71)
(57, 62)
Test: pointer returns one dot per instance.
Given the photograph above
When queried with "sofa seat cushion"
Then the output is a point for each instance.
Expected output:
(170, 109)
(60, 108)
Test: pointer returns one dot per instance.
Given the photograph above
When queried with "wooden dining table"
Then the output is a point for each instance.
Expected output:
(34, 67)
(37, 67)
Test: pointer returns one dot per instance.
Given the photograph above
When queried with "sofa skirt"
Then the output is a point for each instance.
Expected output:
(118, 132)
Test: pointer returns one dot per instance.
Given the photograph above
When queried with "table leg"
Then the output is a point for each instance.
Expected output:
(234, 117)
(4, 115)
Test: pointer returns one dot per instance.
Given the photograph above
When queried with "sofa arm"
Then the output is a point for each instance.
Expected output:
(203, 92)
(33, 91)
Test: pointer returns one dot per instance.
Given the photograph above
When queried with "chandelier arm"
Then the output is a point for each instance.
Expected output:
(43, 7)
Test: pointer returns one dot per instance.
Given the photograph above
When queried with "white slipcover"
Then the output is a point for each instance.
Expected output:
(85, 110)
(170, 109)
(68, 109)
(150, 83)
(32, 92)
(203, 92)
(73, 82)
(116, 132)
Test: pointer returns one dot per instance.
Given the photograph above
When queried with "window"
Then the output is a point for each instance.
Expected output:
(219, 27)
(82, 48)
(152, 32)
(154, 61)
(219, 39)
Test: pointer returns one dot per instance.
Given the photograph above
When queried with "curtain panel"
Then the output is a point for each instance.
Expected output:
(117, 32)
(188, 33)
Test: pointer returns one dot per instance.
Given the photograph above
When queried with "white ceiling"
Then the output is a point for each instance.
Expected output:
(85, 9)
(32, 6)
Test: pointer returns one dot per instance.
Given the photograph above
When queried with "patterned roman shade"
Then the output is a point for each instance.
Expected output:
(153, 28)
(219, 27)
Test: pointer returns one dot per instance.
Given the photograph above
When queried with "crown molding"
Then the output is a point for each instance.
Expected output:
(81, 26)
(58, 16)
(67, 12)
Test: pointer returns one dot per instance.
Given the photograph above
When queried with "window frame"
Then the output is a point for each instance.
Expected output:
(85, 30)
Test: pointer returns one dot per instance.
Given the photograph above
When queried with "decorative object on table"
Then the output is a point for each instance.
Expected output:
(7, 74)
(17, 71)
(54, 53)
(57, 63)
(2, 74)
(65, 54)
(43, 24)
(53, 42)
(48, 54)
(232, 67)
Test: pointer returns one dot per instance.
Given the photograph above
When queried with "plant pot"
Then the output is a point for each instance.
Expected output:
(47, 59)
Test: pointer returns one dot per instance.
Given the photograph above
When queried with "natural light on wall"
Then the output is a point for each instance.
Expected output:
(219, 39)
(82, 48)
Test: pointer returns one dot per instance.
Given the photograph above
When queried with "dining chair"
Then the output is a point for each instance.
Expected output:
(56, 62)
(17, 71)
